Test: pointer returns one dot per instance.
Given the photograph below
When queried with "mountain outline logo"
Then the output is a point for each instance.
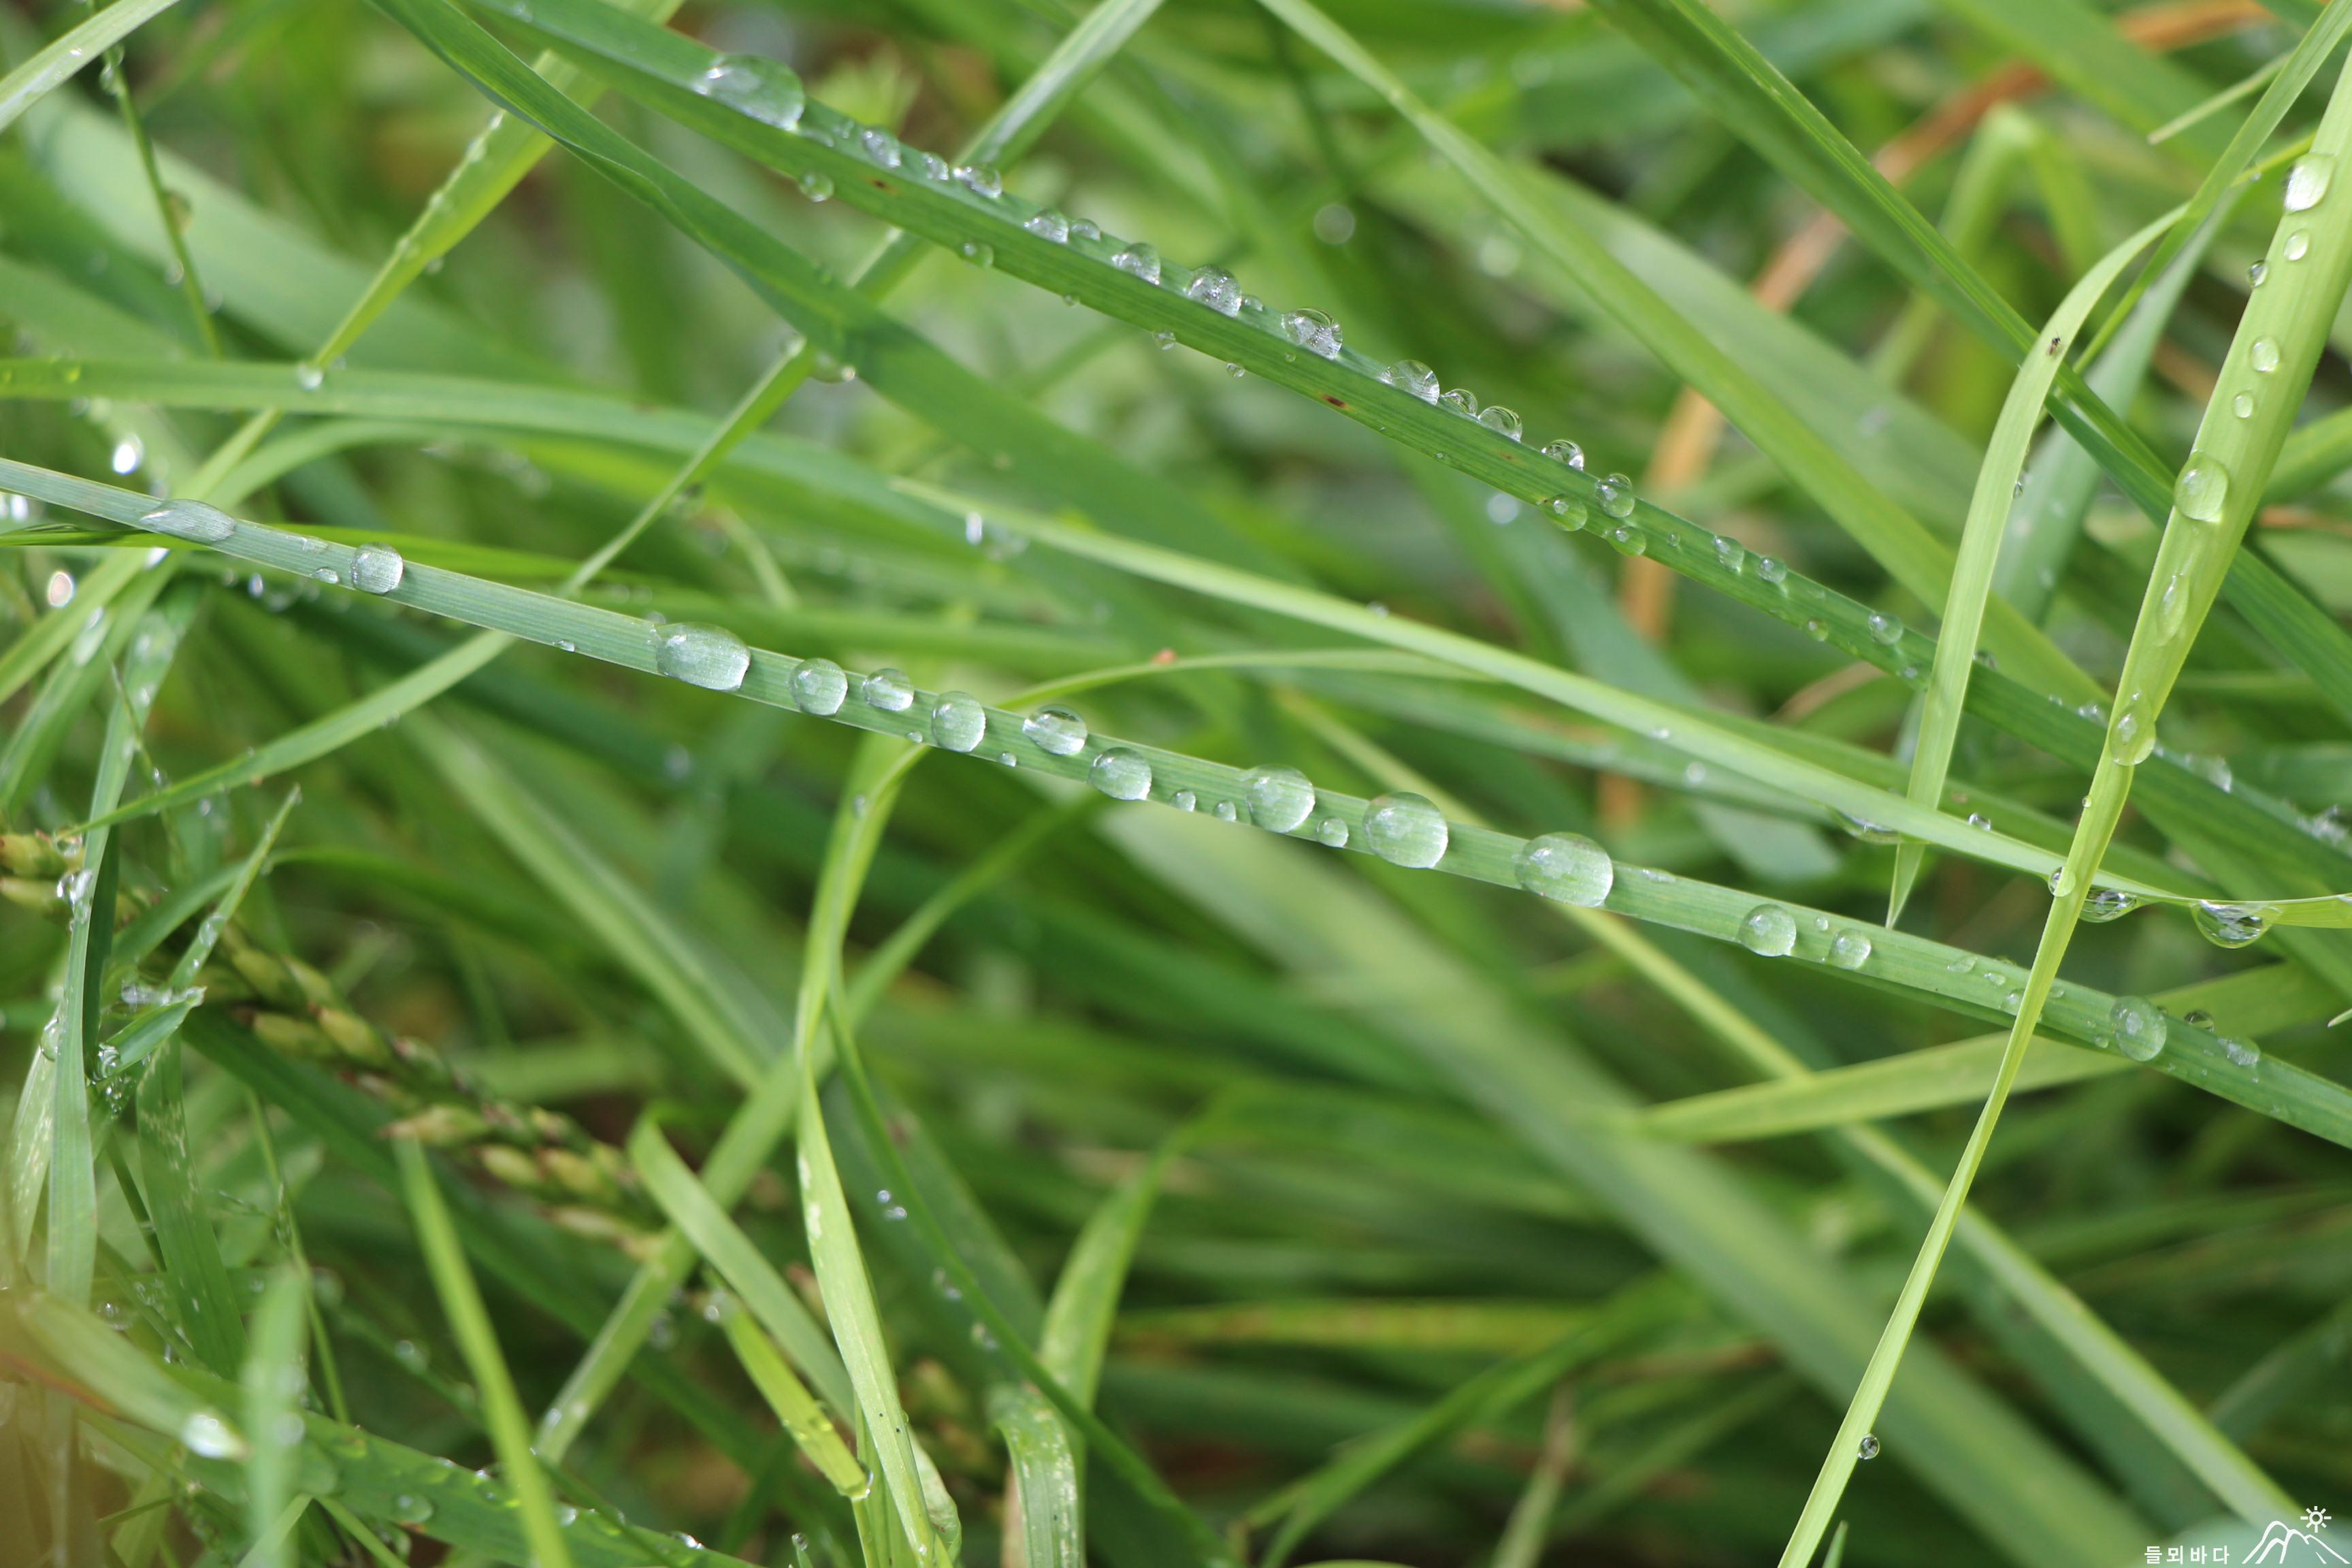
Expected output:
(2284, 1544)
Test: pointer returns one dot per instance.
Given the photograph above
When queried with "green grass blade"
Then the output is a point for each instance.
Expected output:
(1998, 486)
(273, 1381)
(469, 1320)
(101, 1372)
(753, 1280)
(59, 61)
(807, 1423)
(1041, 1493)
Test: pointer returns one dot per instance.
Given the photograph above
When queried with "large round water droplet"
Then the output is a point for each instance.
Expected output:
(1566, 452)
(981, 180)
(2307, 182)
(1056, 729)
(2203, 488)
(710, 657)
(2297, 246)
(204, 1432)
(750, 85)
(1047, 224)
(1461, 401)
(1768, 929)
(820, 686)
(1851, 950)
(1568, 869)
(190, 519)
(1868, 1447)
(889, 689)
(409, 1508)
(1615, 495)
(1314, 331)
(2262, 353)
(1141, 261)
(377, 568)
(1412, 375)
(1885, 628)
(817, 186)
(2138, 1025)
(1217, 288)
(1568, 511)
(2107, 904)
(1279, 798)
(2132, 736)
(1406, 829)
(1120, 775)
(2231, 925)
(1502, 420)
(959, 722)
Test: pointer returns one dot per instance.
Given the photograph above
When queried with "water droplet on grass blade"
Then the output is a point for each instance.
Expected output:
(981, 179)
(1279, 798)
(889, 689)
(1501, 420)
(2203, 488)
(1139, 259)
(977, 253)
(1412, 375)
(193, 519)
(817, 186)
(2297, 246)
(1217, 288)
(206, 1433)
(1056, 730)
(2106, 904)
(959, 722)
(1406, 829)
(1568, 869)
(2264, 354)
(1047, 224)
(1851, 950)
(2243, 406)
(1868, 1448)
(2231, 925)
(819, 687)
(2307, 182)
(408, 1508)
(879, 146)
(761, 88)
(710, 657)
(1313, 331)
(1120, 775)
(1769, 930)
(1566, 452)
(1333, 832)
(377, 568)
(2139, 1026)
(1615, 495)
(2132, 736)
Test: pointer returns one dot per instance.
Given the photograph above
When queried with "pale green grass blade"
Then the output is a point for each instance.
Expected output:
(52, 635)
(194, 1278)
(469, 1322)
(1523, 1537)
(1084, 1304)
(1998, 486)
(1043, 1497)
(76, 47)
(807, 1423)
(2269, 364)
(273, 1381)
(750, 1275)
(108, 1375)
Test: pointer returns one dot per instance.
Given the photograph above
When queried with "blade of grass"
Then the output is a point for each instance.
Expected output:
(273, 1381)
(808, 1425)
(2220, 489)
(57, 63)
(469, 1322)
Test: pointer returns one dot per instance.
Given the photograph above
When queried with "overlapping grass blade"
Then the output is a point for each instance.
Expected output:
(273, 1381)
(58, 61)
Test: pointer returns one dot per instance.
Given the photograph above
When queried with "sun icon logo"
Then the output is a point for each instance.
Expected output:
(2315, 1519)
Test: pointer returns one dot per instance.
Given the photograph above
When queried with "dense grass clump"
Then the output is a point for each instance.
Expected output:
(1180, 786)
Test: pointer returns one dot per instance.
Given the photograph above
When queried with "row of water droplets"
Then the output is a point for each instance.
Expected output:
(370, 568)
(766, 91)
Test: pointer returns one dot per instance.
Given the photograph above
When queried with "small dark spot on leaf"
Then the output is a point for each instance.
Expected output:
(1334, 402)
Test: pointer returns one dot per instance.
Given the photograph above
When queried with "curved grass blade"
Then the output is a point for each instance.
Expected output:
(86, 40)
(1042, 1494)
(1998, 486)
(106, 1373)
(469, 1323)
(1523, 1537)
(2269, 363)
(807, 1423)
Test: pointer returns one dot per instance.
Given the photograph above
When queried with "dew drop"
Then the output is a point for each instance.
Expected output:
(1056, 729)
(2231, 925)
(1139, 259)
(2307, 182)
(1226, 811)
(2262, 353)
(1406, 829)
(2243, 406)
(1501, 420)
(981, 179)
(880, 147)
(2256, 273)
(2132, 736)
(2138, 1025)
(1615, 495)
(408, 1508)
(710, 657)
(1568, 511)
(1047, 224)
(1629, 540)
(1769, 930)
(959, 722)
(2243, 1053)
(819, 685)
(1217, 288)
(193, 519)
(977, 253)
(1851, 950)
(2297, 246)
(1279, 798)
(1184, 799)
(1120, 775)
(1461, 401)
(1868, 1448)
(889, 689)
(2202, 489)
(1412, 375)
(1885, 628)
(377, 568)
(1313, 331)
(1566, 452)
(761, 88)
(817, 186)
(1770, 570)
(2106, 904)
(1332, 831)
(308, 377)
(1568, 869)
(206, 1433)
